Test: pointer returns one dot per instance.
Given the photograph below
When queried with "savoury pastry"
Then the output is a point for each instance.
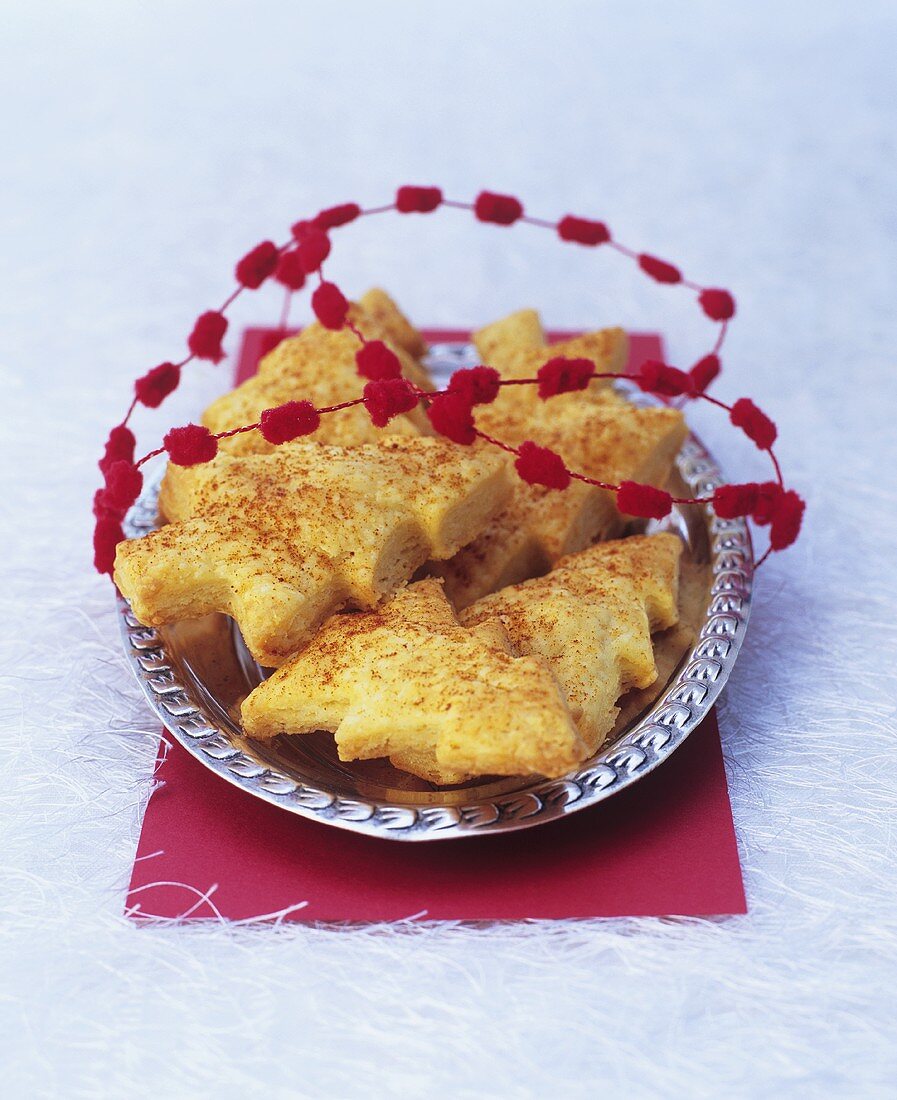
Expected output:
(408, 682)
(591, 620)
(281, 541)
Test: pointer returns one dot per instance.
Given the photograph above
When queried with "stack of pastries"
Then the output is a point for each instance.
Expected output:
(414, 596)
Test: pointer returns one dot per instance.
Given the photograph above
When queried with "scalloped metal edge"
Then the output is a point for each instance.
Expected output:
(680, 709)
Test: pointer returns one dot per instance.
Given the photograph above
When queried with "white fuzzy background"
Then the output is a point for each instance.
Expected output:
(143, 147)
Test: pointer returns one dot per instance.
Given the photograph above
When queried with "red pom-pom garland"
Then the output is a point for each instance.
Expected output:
(643, 500)
(663, 381)
(451, 415)
(336, 216)
(477, 385)
(498, 209)
(107, 534)
(703, 373)
(330, 306)
(289, 421)
(659, 269)
(786, 520)
(768, 495)
(387, 394)
(205, 340)
(376, 361)
(190, 445)
(541, 466)
(731, 501)
(562, 375)
(417, 200)
(152, 389)
(755, 424)
(123, 484)
(387, 399)
(257, 265)
(719, 305)
(289, 271)
(119, 445)
(314, 248)
(582, 231)
(102, 506)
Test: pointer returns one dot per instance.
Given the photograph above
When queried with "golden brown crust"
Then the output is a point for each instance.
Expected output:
(605, 437)
(318, 365)
(281, 541)
(597, 432)
(408, 682)
(591, 619)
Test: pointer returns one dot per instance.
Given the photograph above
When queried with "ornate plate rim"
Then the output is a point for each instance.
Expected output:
(678, 710)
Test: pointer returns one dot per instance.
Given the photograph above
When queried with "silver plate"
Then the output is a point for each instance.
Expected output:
(194, 675)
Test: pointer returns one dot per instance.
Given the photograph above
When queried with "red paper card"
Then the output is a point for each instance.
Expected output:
(664, 847)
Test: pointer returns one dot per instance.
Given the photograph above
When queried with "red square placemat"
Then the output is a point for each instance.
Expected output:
(664, 847)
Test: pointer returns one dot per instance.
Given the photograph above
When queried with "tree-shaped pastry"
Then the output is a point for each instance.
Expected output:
(408, 682)
(597, 432)
(319, 365)
(604, 437)
(591, 619)
(281, 541)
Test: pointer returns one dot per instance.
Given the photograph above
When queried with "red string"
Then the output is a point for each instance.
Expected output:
(285, 311)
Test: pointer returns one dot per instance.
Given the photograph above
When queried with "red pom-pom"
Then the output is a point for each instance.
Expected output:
(663, 381)
(659, 269)
(387, 398)
(314, 248)
(300, 228)
(102, 506)
(190, 445)
(289, 421)
(205, 340)
(451, 415)
(719, 305)
(257, 265)
(107, 534)
(643, 500)
(289, 271)
(786, 521)
(541, 466)
(703, 373)
(157, 384)
(730, 501)
(477, 385)
(377, 361)
(582, 231)
(123, 484)
(499, 209)
(330, 306)
(768, 496)
(336, 216)
(753, 422)
(119, 445)
(560, 375)
(417, 200)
